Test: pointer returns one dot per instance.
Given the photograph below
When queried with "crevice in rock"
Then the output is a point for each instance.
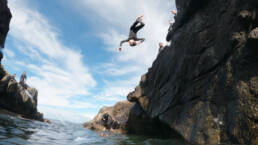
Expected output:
(140, 123)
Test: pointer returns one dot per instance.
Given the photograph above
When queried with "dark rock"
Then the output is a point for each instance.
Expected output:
(252, 42)
(5, 17)
(204, 86)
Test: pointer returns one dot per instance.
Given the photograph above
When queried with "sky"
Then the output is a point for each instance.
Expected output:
(69, 49)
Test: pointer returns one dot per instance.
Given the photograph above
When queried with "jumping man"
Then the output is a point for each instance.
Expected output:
(132, 39)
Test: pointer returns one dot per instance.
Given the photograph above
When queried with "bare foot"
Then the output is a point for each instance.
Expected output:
(140, 18)
(174, 12)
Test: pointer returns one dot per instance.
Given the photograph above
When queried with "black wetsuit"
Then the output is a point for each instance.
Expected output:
(170, 29)
(133, 32)
(1, 55)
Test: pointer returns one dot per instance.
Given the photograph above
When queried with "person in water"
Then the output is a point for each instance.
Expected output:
(133, 39)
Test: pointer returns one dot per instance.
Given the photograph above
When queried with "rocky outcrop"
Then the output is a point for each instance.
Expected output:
(129, 118)
(205, 85)
(18, 99)
(112, 118)
(5, 17)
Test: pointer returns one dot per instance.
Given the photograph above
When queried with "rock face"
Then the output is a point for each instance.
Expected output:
(17, 99)
(205, 85)
(5, 17)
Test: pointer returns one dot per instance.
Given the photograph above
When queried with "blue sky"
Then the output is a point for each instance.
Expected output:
(69, 49)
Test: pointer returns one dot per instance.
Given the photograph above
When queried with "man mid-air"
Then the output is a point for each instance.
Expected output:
(132, 39)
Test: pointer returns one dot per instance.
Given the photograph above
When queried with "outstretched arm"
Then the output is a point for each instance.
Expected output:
(121, 43)
(141, 40)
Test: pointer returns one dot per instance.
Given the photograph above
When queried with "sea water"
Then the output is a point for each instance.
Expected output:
(18, 131)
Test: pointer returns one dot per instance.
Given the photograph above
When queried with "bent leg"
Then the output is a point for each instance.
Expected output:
(134, 25)
(139, 27)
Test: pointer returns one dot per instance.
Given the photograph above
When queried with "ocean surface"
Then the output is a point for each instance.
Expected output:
(18, 131)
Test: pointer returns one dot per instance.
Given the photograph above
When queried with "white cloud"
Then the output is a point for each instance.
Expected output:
(117, 90)
(65, 115)
(9, 53)
(114, 69)
(55, 70)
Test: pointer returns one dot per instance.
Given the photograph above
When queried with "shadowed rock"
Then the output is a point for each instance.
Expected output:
(204, 86)
(129, 118)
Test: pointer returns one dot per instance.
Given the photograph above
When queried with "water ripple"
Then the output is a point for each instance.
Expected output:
(17, 131)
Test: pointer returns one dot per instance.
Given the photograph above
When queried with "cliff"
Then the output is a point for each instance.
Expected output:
(204, 86)
(15, 98)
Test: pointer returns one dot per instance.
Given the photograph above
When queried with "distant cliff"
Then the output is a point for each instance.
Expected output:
(14, 97)
(204, 86)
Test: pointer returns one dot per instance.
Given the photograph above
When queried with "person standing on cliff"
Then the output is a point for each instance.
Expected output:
(132, 39)
(22, 79)
(161, 46)
(174, 12)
